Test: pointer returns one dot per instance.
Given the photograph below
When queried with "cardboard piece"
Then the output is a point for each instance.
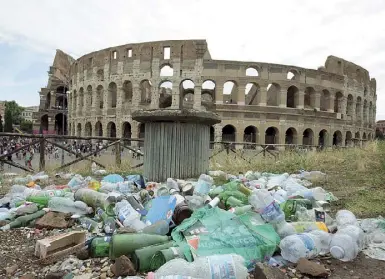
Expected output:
(51, 248)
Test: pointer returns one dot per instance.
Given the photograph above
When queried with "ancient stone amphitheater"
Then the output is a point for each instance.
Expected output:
(258, 102)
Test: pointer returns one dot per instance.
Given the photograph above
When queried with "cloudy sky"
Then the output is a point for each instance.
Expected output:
(299, 32)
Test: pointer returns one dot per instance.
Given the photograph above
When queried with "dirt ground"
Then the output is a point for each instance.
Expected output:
(17, 247)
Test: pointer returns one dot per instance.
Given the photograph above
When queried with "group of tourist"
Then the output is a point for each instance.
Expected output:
(9, 144)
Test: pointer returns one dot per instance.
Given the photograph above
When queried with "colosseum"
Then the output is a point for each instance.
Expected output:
(258, 102)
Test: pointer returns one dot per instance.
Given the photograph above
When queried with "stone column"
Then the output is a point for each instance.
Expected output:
(331, 103)
(262, 101)
(316, 100)
(78, 108)
(119, 99)
(300, 100)
(53, 99)
(135, 94)
(282, 102)
(217, 135)
(241, 95)
(175, 96)
(95, 102)
(197, 97)
(105, 101)
(154, 97)
(219, 94)
(344, 104)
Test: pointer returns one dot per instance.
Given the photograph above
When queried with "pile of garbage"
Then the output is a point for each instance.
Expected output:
(187, 227)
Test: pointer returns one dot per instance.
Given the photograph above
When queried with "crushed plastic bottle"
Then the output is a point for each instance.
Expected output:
(65, 205)
(203, 186)
(265, 204)
(343, 247)
(276, 180)
(217, 266)
(304, 245)
(345, 217)
(128, 216)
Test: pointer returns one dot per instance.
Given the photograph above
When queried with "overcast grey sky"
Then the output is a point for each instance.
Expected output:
(298, 32)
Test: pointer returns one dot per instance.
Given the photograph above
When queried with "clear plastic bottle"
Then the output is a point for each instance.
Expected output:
(356, 233)
(304, 245)
(276, 180)
(203, 186)
(345, 217)
(218, 266)
(172, 184)
(343, 247)
(89, 224)
(65, 205)
(265, 204)
(325, 238)
(160, 228)
(317, 193)
(128, 215)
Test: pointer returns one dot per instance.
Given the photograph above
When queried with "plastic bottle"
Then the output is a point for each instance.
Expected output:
(172, 184)
(356, 233)
(65, 205)
(89, 224)
(316, 193)
(218, 266)
(109, 224)
(265, 204)
(345, 217)
(343, 247)
(325, 238)
(160, 228)
(203, 186)
(304, 245)
(276, 180)
(128, 216)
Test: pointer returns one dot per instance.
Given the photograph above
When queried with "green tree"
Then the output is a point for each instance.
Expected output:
(26, 126)
(8, 125)
(15, 111)
(1, 123)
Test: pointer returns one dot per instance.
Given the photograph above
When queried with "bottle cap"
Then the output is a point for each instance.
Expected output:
(337, 252)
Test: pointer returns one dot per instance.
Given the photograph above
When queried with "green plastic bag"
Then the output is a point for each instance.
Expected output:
(217, 232)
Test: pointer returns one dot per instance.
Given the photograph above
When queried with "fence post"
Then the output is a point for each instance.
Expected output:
(118, 154)
(42, 155)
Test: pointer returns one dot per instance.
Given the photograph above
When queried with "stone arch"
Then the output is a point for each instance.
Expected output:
(309, 98)
(165, 94)
(250, 135)
(370, 136)
(272, 135)
(81, 99)
(291, 136)
(61, 124)
(273, 93)
(325, 97)
(44, 124)
(186, 89)
(100, 75)
(79, 130)
(370, 112)
(74, 101)
(89, 93)
(99, 98)
(348, 138)
(322, 138)
(292, 97)
(365, 111)
(252, 72)
(349, 105)
(145, 92)
(338, 102)
(166, 70)
(228, 133)
(127, 91)
(111, 130)
(357, 138)
(230, 92)
(364, 136)
(112, 95)
(251, 93)
(337, 138)
(98, 129)
(127, 133)
(48, 101)
(292, 75)
(358, 108)
(308, 137)
(208, 92)
(88, 129)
